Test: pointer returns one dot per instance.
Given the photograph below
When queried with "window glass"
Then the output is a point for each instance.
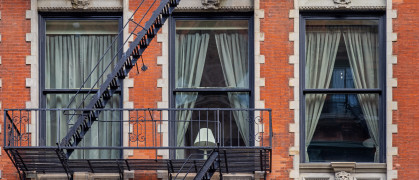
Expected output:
(212, 60)
(341, 54)
(346, 128)
(341, 126)
(73, 48)
(212, 54)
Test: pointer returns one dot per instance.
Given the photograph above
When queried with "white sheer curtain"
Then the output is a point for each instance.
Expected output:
(361, 45)
(69, 60)
(233, 53)
(191, 50)
(321, 49)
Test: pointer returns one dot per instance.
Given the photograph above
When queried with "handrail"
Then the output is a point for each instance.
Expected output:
(144, 127)
(184, 163)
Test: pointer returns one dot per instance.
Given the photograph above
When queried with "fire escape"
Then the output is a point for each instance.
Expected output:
(143, 126)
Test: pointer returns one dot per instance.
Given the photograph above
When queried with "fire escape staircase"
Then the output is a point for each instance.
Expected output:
(206, 170)
(122, 68)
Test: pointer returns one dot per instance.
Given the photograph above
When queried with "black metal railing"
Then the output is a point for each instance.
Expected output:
(183, 129)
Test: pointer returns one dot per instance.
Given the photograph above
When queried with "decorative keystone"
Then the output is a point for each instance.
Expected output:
(343, 176)
(211, 4)
(343, 166)
(80, 4)
(342, 2)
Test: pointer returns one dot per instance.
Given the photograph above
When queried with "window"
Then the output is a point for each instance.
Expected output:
(343, 89)
(70, 49)
(212, 68)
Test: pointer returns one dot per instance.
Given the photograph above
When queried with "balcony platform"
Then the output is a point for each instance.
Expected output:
(50, 160)
(34, 155)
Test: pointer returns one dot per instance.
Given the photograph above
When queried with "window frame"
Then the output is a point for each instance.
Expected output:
(212, 90)
(380, 17)
(43, 92)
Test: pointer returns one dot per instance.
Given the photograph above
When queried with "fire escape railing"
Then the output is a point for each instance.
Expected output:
(146, 128)
(145, 131)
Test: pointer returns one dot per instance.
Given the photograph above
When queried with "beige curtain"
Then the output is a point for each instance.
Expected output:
(362, 47)
(321, 48)
(233, 53)
(191, 50)
(69, 60)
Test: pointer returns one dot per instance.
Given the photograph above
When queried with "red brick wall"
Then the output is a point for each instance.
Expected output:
(145, 93)
(407, 92)
(13, 70)
(277, 48)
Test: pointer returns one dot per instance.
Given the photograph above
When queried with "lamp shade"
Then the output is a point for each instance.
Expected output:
(205, 138)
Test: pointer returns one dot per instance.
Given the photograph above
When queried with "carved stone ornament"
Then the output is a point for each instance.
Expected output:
(211, 4)
(342, 2)
(343, 175)
(80, 4)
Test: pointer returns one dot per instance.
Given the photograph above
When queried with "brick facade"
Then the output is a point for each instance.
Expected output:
(13, 69)
(276, 71)
(406, 93)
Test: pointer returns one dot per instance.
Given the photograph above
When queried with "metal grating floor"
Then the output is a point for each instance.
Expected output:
(49, 161)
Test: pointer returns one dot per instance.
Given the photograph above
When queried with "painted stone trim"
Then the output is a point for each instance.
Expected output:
(80, 5)
(215, 5)
(343, 7)
(163, 84)
(128, 84)
(259, 58)
(61, 9)
(391, 83)
(294, 150)
(222, 8)
(32, 60)
(333, 4)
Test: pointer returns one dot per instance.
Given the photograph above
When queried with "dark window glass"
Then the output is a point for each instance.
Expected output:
(212, 60)
(342, 55)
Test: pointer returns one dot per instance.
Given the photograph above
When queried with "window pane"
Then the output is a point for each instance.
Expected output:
(234, 127)
(104, 133)
(342, 127)
(342, 54)
(71, 54)
(212, 54)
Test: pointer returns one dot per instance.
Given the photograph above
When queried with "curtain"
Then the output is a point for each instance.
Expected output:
(361, 45)
(321, 48)
(233, 53)
(191, 50)
(69, 60)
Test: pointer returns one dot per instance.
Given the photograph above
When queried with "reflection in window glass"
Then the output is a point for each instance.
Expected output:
(212, 54)
(71, 54)
(342, 55)
(345, 129)
(72, 50)
(352, 47)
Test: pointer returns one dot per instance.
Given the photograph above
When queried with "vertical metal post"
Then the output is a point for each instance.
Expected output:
(59, 127)
(4, 128)
(270, 128)
(218, 127)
